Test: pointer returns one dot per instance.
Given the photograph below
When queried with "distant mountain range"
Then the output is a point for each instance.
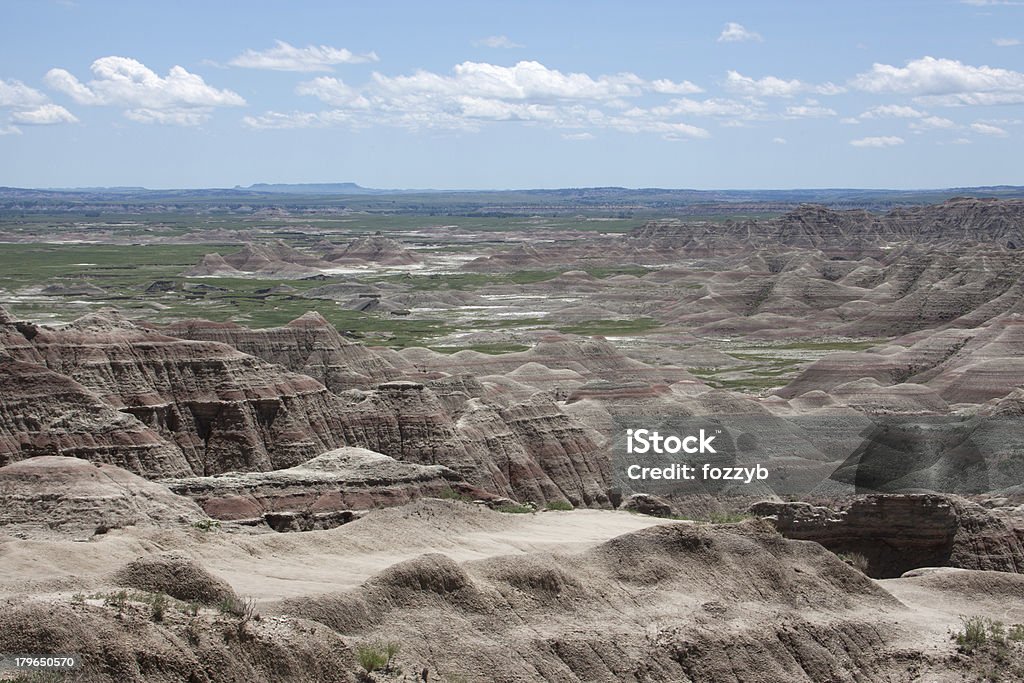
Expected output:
(350, 196)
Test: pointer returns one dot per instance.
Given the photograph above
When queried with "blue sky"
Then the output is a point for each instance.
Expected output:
(512, 94)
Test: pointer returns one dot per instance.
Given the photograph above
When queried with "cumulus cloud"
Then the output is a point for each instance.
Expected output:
(779, 141)
(180, 98)
(710, 107)
(525, 80)
(497, 42)
(30, 107)
(772, 86)
(738, 33)
(333, 91)
(286, 57)
(475, 94)
(17, 94)
(44, 115)
(1006, 42)
(578, 136)
(892, 111)
(988, 129)
(883, 141)
(932, 122)
(945, 82)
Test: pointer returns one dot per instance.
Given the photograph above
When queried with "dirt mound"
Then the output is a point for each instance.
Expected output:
(657, 604)
(130, 647)
(176, 575)
(53, 495)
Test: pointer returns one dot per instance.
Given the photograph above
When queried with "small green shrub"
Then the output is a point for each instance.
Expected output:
(856, 560)
(118, 601)
(158, 605)
(244, 609)
(371, 658)
(561, 505)
(377, 657)
(206, 524)
(979, 632)
(451, 494)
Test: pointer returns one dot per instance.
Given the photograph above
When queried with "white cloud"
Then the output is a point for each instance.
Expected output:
(883, 141)
(664, 86)
(772, 86)
(987, 129)
(779, 141)
(333, 91)
(44, 115)
(1006, 42)
(276, 120)
(932, 122)
(849, 120)
(960, 141)
(497, 42)
(474, 94)
(30, 107)
(286, 57)
(180, 98)
(578, 136)
(737, 33)
(17, 94)
(525, 80)
(686, 106)
(809, 112)
(945, 82)
(892, 111)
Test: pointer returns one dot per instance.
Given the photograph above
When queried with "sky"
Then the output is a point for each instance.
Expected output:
(503, 95)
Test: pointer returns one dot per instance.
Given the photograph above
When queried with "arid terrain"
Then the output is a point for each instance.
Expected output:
(315, 442)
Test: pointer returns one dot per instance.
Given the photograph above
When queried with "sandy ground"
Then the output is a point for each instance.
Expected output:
(733, 587)
(271, 566)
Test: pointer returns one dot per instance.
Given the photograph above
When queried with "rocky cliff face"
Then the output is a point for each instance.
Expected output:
(162, 406)
(902, 532)
(45, 413)
(222, 409)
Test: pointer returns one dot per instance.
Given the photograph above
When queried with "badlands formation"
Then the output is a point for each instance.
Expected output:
(205, 500)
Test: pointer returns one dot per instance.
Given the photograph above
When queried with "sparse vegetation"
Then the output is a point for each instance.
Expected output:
(856, 560)
(728, 517)
(117, 600)
(377, 657)
(451, 494)
(158, 605)
(206, 524)
(243, 608)
(515, 508)
(560, 505)
(981, 632)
